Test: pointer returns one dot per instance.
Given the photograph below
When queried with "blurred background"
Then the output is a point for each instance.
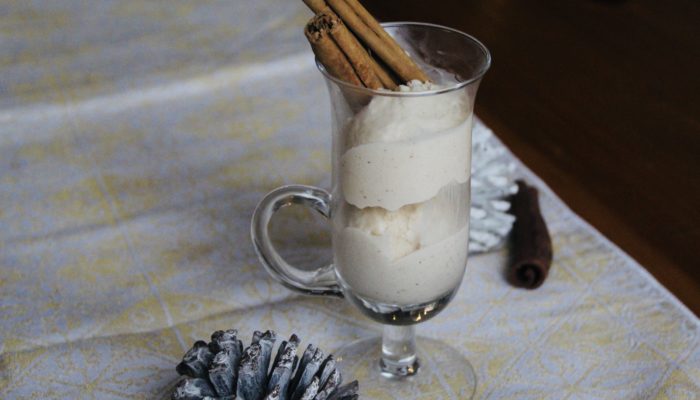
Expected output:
(602, 100)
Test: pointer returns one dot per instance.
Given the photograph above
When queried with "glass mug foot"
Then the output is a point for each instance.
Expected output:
(440, 372)
(401, 369)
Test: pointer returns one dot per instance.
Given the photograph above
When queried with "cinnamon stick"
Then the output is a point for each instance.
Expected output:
(329, 54)
(532, 245)
(356, 54)
(317, 6)
(377, 28)
(386, 79)
(366, 27)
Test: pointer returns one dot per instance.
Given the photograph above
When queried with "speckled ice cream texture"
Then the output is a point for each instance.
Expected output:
(404, 176)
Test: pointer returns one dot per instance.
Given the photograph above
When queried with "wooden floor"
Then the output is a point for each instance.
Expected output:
(602, 100)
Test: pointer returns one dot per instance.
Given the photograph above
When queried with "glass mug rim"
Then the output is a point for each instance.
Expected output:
(389, 93)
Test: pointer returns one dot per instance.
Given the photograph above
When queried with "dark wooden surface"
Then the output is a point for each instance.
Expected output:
(602, 100)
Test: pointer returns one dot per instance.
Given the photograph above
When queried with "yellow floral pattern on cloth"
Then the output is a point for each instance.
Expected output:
(136, 138)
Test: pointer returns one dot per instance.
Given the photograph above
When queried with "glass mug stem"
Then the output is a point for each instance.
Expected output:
(399, 351)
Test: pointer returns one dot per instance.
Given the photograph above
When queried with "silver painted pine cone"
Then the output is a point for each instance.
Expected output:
(222, 369)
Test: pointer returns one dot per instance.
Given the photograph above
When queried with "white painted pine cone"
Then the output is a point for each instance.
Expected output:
(492, 182)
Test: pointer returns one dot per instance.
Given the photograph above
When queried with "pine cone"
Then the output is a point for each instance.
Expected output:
(222, 369)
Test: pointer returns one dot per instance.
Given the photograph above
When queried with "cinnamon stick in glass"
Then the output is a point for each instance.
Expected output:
(329, 54)
(356, 54)
(532, 246)
(316, 6)
(382, 44)
(386, 79)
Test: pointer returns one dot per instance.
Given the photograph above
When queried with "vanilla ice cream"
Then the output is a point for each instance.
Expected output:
(403, 176)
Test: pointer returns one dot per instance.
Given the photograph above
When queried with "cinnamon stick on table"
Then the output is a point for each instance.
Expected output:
(532, 245)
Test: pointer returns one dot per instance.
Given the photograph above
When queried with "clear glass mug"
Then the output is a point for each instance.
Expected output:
(399, 207)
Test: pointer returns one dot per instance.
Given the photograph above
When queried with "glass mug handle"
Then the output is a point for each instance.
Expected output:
(321, 281)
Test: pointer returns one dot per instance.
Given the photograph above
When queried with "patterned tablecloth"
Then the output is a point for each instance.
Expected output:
(136, 138)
